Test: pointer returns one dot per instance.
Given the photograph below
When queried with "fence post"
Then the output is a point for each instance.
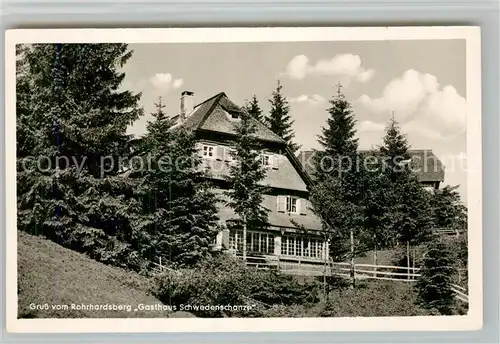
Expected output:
(408, 259)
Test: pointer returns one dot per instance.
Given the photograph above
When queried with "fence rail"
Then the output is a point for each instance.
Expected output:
(344, 269)
(341, 269)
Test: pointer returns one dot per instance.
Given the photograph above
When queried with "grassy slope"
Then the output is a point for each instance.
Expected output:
(49, 273)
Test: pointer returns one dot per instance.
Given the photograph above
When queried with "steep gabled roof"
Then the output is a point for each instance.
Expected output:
(210, 115)
(424, 162)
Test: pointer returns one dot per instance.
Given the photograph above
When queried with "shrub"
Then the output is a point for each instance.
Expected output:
(374, 298)
(437, 272)
(225, 280)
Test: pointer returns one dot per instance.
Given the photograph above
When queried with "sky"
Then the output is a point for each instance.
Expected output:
(422, 83)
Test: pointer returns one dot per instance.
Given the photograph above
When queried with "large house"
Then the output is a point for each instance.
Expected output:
(294, 237)
(289, 217)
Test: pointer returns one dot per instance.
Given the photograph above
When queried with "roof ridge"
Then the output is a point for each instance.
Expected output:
(208, 99)
(216, 98)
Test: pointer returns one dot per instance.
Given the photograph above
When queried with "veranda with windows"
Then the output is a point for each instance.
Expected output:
(273, 248)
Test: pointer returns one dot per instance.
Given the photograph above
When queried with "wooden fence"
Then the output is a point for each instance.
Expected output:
(343, 269)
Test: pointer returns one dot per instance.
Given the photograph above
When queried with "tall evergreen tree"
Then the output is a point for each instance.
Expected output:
(339, 179)
(69, 188)
(379, 232)
(338, 139)
(254, 110)
(434, 287)
(279, 120)
(408, 201)
(395, 150)
(245, 180)
(180, 213)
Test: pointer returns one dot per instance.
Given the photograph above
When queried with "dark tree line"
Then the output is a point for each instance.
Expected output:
(71, 136)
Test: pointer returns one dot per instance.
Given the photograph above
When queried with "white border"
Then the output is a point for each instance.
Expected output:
(472, 321)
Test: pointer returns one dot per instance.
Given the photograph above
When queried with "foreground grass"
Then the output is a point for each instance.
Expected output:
(49, 274)
(368, 299)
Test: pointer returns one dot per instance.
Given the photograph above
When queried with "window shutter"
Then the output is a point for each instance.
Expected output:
(219, 152)
(274, 160)
(199, 148)
(281, 206)
(302, 206)
(227, 154)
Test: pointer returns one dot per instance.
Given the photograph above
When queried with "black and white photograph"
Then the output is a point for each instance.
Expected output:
(246, 176)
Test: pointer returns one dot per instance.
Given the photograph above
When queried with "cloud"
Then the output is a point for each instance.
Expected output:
(422, 105)
(165, 81)
(370, 126)
(340, 65)
(315, 99)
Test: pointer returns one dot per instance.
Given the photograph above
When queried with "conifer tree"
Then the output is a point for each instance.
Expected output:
(448, 209)
(338, 139)
(379, 232)
(245, 180)
(408, 202)
(279, 120)
(338, 194)
(434, 287)
(69, 188)
(180, 213)
(254, 110)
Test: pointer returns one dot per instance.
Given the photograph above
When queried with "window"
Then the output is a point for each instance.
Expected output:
(301, 247)
(208, 151)
(292, 204)
(266, 160)
(256, 242)
(233, 115)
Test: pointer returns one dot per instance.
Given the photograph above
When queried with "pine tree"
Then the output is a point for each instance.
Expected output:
(180, 209)
(338, 139)
(338, 194)
(379, 232)
(395, 149)
(448, 209)
(245, 179)
(254, 110)
(434, 287)
(408, 202)
(69, 186)
(279, 121)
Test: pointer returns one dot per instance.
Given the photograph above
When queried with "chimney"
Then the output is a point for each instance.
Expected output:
(186, 103)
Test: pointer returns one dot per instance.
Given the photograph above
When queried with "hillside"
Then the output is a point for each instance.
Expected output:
(53, 275)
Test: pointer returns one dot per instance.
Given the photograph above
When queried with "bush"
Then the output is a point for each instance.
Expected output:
(434, 287)
(225, 280)
(374, 298)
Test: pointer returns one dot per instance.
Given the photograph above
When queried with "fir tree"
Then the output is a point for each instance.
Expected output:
(338, 138)
(434, 287)
(69, 188)
(379, 232)
(408, 203)
(448, 209)
(395, 150)
(254, 110)
(180, 213)
(245, 179)
(339, 179)
(279, 121)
